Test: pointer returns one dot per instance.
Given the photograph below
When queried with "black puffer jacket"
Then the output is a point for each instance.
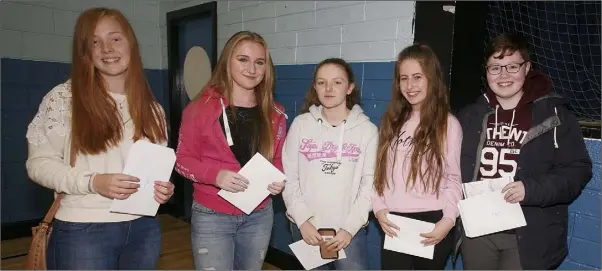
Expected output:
(554, 166)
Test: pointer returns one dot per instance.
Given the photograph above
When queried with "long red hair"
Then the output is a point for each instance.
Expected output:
(96, 123)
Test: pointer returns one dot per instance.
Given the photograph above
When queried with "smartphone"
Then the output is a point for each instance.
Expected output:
(327, 235)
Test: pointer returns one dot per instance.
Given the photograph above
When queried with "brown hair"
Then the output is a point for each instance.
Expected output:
(311, 98)
(507, 44)
(96, 124)
(427, 158)
(221, 82)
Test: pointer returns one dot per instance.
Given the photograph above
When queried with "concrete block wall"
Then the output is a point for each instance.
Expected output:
(35, 52)
(42, 30)
(304, 32)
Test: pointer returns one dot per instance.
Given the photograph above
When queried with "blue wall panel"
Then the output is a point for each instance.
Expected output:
(24, 84)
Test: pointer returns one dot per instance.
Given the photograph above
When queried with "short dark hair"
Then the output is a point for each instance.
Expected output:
(507, 44)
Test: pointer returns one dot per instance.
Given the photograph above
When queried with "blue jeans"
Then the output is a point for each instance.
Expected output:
(126, 245)
(356, 253)
(230, 242)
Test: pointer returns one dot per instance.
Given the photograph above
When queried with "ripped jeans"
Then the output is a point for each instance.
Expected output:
(230, 242)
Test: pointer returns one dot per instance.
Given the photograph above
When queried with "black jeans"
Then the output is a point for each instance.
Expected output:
(391, 260)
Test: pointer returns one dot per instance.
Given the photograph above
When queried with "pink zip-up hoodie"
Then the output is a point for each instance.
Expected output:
(203, 149)
(397, 199)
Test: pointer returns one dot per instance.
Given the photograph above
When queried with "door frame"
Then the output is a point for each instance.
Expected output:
(177, 99)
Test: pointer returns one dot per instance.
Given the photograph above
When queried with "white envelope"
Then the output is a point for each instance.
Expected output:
(472, 189)
(148, 162)
(489, 213)
(408, 237)
(260, 173)
(309, 256)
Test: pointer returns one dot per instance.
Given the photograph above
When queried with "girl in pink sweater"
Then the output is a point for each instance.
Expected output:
(418, 175)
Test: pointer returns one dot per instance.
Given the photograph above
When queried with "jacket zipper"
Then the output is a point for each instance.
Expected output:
(480, 148)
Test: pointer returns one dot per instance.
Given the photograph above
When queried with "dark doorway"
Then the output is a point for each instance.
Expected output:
(188, 27)
(468, 54)
(434, 26)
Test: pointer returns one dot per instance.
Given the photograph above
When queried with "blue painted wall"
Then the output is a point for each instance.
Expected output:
(24, 83)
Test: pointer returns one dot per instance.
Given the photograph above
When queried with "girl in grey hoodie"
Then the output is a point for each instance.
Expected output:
(328, 158)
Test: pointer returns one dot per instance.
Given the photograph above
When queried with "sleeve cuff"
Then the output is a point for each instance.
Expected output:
(211, 175)
(377, 205)
(351, 227)
(451, 213)
(85, 182)
(301, 215)
(91, 183)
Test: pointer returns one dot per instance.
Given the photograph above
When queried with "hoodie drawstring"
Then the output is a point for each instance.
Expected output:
(226, 125)
(555, 142)
(340, 148)
(319, 132)
(495, 124)
(511, 123)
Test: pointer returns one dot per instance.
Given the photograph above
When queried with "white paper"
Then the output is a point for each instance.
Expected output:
(408, 237)
(309, 256)
(260, 173)
(472, 189)
(489, 213)
(148, 162)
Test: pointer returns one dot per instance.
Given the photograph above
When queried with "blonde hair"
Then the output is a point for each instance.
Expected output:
(221, 82)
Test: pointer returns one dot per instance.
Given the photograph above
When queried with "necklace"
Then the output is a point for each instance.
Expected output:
(120, 104)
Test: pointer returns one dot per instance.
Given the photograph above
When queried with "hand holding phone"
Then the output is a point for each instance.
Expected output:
(327, 235)
(310, 234)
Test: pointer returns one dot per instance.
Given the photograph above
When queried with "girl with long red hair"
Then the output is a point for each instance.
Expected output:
(91, 121)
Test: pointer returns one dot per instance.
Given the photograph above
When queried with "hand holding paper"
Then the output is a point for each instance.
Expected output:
(408, 240)
(231, 181)
(486, 185)
(148, 162)
(260, 173)
(387, 226)
(163, 191)
(115, 186)
(341, 240)
(514, 192)
(276, 188)
(489, 213)
(441, 230)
